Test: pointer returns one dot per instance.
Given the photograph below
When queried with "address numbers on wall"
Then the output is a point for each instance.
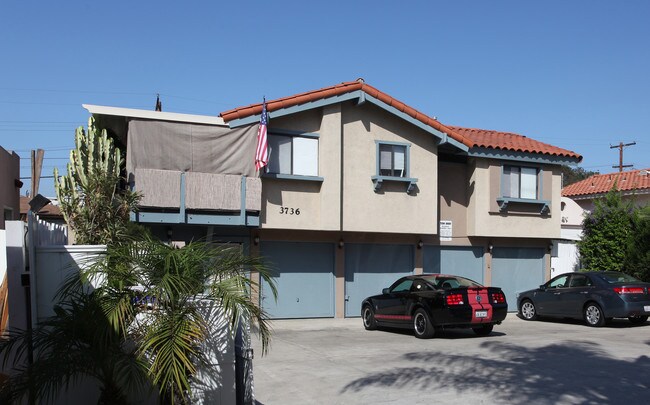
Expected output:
(289, 211)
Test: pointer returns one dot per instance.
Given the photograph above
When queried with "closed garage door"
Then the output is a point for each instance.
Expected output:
(460, 261)
(516, 270)
(370, 268)
(304, 277)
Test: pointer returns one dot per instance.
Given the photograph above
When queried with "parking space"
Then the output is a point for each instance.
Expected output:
(336, 361)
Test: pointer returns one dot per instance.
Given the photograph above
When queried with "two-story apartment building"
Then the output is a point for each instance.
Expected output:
(360, 189)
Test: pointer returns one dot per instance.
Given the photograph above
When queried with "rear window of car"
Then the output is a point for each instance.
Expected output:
(615, 278)
(451, 281)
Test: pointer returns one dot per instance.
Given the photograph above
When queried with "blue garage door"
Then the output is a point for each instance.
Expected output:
(516, 270)
(370, 268)
(460, 261)
(304, 277)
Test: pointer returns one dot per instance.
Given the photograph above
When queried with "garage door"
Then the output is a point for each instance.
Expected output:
(460, 261)
(370, 268)
(517, 269)
(304, 277)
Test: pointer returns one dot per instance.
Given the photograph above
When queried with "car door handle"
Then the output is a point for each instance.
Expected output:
(584, 292)
(556, 293)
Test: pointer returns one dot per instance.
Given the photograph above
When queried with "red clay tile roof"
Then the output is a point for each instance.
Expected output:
(483, 138)
(602, 183)
(468, 137)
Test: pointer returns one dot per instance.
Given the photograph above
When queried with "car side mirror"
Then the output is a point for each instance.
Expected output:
(384, 291)
(542, 287)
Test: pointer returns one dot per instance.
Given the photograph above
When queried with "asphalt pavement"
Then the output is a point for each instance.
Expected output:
(336, 361)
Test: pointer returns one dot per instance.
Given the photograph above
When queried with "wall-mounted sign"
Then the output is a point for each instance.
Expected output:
(445, 231)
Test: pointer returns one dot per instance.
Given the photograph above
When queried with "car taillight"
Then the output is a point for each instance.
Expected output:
(628, 290)
(498, 298)
(455, 299)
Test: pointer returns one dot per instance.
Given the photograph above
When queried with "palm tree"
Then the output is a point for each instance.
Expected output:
(157, 295)
(137, 316)
(75, 343)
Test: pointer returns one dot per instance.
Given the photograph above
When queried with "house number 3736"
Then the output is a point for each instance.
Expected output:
(289, 211)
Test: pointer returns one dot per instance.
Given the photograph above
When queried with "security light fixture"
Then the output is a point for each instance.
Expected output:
(37, 203)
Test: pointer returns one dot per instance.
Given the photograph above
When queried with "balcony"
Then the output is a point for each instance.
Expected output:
(175, 197)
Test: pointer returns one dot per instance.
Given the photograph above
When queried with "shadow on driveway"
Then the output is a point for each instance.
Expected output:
(574, 372)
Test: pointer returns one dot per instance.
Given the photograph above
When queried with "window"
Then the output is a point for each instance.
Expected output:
(402, 286)
(520, 182)
(392, 160)
(293, 155)
(559, 282)
(580, 280)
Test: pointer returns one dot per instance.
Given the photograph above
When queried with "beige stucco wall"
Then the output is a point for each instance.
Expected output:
(319, 203)
(391, 209)
(454, 197)
(346, 200)
(484, 218)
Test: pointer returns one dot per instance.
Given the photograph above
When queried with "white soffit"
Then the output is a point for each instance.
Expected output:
(154, 115)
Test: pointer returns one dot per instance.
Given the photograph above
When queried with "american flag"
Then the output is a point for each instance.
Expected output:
(262, 151)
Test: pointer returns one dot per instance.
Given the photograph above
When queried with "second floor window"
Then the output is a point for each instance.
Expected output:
(392, 160)
(520, 182)
(293, 155)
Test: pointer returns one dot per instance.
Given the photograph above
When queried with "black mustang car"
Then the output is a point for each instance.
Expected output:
(431, 302)
(593, 296)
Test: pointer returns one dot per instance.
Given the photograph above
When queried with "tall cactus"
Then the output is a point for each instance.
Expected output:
(88, 194)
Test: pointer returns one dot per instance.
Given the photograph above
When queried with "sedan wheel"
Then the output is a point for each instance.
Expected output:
(638, 320)
(422, 325)
(368, 315)
(594, 315)
(528, 310)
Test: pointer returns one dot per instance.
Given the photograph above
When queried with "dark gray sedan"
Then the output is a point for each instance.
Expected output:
(594, 296)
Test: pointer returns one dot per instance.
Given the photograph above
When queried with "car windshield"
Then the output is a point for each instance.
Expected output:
(616, 278)
(443, 281)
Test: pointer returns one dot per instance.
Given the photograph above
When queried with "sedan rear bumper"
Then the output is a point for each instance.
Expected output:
(627, 309)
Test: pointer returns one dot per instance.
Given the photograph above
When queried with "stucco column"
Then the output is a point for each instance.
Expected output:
(255, 276)
(487, 256)
(419, 259)
(339, 287)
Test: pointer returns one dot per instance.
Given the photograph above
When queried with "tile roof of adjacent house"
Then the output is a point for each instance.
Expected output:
(469, 137)
(602, 183)
(49, 211)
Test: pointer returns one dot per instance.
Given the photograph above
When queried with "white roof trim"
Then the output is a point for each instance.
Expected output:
(154, 115)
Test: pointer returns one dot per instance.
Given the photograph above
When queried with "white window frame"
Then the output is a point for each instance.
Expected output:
(303, 150)
(516, 182)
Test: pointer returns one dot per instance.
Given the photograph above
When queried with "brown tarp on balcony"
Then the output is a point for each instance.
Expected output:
(188, 147)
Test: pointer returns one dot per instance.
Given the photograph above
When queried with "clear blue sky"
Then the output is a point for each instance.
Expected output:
(571, 73)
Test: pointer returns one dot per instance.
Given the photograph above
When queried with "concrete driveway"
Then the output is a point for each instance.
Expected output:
(336, 361)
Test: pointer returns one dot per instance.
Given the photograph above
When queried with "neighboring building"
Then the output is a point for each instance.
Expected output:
(564, 256)
(360, 190)
(50, 213)
(10, 185)
(634, 185)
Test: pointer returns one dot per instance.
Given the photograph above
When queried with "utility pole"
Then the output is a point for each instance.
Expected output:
(620, 147)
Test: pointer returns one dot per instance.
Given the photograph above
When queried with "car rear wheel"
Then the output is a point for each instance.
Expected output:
(528, 310)
(422, 325)
(594, 315)
(368, 315)
(483, 330)
(638, 320)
